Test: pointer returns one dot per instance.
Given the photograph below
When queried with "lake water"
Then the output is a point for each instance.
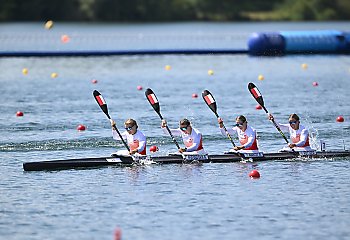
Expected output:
(304, 199)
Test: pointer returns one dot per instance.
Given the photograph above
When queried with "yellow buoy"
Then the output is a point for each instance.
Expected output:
(54, 75)
(210, 72)
(261, 77)
(48, 24)
(25, 71)
(304, 66)
(167, 67)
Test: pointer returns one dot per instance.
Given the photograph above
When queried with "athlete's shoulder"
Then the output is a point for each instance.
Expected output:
(251, 128)
(196, 130)
(140, 133)
(303, 128)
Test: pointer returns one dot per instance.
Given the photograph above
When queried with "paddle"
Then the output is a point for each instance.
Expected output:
(210, 101)
(152, 99)
(258, 97)
(103, 105)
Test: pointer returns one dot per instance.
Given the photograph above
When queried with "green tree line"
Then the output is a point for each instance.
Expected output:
(173, 10)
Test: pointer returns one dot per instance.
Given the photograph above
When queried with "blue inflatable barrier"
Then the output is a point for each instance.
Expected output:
(307, 42)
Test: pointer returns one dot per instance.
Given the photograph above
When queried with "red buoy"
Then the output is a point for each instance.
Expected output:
(254, 174)
(258, 107)
(194, 95)
(139, 88)
(153, 148)
(94, 81)
(19, 114)
(315, 84)
(340, 119)
(81, 127)
(117, 234)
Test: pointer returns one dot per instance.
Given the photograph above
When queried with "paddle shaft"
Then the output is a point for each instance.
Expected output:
(276, 125)
(104, 108)
(211, 103)
(227, 133)
(152, 99)
(258, 97)
(119, 134)
(169, 131)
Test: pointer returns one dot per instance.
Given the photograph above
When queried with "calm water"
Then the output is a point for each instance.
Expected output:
(293, 199)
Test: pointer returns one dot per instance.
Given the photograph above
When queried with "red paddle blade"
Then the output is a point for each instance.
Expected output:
(209, 100)
(256, 93)
(152, 99)
(101, 102)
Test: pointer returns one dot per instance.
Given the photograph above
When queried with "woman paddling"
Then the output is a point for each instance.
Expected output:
(299, 135)
(191, 137)
(246, 134)
(134, 137)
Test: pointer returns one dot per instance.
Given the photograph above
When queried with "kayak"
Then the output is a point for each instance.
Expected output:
(176, 159)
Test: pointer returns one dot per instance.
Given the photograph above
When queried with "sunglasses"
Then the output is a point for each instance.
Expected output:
(239, 124)
(184, 128)
(293, 122)
(129, 128)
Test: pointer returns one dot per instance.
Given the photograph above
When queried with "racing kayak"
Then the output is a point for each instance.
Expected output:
(176, 159)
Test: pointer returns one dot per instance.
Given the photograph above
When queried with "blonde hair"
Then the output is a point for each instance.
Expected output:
(132, 122)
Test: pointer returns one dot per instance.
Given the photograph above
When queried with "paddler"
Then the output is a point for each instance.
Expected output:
(246, 134)
(299, 135)
(192, 138)
(134, 137)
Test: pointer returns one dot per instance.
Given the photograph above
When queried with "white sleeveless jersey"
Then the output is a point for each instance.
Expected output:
(193, 141)
(246, 138)
(135, 141)
(299, 137)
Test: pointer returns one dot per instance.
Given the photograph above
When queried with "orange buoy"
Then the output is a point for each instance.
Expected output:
(139, 88)
(194, 95)
(315, 84)
(254, 174)
(153, 148)
(65, 39)
(340, 119)
(94, 81)
(81, 127)
(19, 114)
(258, 107)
